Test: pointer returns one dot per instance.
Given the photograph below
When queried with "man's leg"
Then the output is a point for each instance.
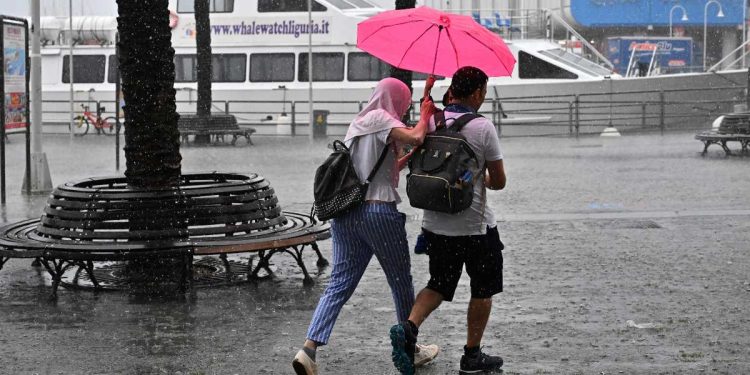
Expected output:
(477, 317)
(485, 267)
(427, 301)
(445, 271)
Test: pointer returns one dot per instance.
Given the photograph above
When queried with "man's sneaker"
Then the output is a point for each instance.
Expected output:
(425, 354)
(480, 363)
(403, 342)
(304, 365)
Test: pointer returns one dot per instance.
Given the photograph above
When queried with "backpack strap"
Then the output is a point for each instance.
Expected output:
(461, 121)
(379, 162)
(439, 119)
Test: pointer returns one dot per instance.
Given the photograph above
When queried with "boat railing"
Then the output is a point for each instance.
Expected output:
(738, 62)
(549, 115)
(588, 50)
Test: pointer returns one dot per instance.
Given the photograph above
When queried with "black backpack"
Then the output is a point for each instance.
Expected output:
(440, 177)
(337, 188)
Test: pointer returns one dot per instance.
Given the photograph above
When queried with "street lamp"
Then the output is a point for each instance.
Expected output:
(720, 14)
(671, 13)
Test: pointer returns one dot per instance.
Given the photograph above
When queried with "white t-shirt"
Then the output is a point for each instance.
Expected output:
(365, 151)
(482, 137)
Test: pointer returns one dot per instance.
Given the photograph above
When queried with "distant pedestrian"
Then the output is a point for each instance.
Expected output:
(375, 227)
(469, 238)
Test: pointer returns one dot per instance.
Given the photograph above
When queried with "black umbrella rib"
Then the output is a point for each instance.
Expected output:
(493, 51)
(414, 41)
(384, 26)
(455, 51)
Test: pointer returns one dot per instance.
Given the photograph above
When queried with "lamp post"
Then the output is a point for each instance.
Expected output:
(310, 65)
(720, 14)
(671, 13)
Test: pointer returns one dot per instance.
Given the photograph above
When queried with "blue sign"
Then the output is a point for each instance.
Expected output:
(671, 55)
(609, 13)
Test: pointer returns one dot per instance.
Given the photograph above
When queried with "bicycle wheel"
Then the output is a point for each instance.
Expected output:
(81, 126)
(110, 124)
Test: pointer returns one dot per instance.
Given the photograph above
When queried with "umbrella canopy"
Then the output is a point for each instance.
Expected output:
(430, 41)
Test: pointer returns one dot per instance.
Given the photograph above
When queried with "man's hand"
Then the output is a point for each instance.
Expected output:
(495, 177)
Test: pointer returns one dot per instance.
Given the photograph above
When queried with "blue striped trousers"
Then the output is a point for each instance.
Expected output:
(371, 228)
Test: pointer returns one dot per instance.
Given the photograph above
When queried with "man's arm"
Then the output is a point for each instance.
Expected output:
(495, 177)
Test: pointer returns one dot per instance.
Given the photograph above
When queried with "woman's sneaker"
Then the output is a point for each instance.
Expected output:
(304, 365)
(425, 354)
(480, 363)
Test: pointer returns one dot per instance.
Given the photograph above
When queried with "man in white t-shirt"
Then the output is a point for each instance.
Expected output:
(469, 237)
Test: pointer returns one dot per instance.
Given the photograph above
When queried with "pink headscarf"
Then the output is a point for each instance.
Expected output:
(388, 103)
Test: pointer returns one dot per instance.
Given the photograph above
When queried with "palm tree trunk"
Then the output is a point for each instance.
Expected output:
(152, 141)
(203, 47)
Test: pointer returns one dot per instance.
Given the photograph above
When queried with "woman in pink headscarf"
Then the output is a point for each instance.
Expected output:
(375, 227)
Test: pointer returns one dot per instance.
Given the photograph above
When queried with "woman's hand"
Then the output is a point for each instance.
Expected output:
(428, 85)
(427, 108)
(404, 160)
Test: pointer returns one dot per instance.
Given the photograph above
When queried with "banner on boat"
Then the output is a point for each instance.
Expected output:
(266, 31)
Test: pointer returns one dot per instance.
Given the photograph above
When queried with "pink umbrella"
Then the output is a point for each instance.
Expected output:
(430, 41)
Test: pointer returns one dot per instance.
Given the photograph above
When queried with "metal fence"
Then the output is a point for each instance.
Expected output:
(628, 111)
(549, 115)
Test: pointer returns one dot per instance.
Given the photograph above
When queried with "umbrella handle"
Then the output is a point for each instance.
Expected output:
(434, 60)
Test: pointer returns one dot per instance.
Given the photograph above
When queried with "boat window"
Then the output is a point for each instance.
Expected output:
(365, 67)
(361, 4)
(341, 4)
(86, 68)
(288, 6)
(111, 69)
(326, 67)
(228, 67)
(185, 68)
(224, 68)
(531, 67)
(272, 67)
(417, 76)
(214, 6)
(577, 61)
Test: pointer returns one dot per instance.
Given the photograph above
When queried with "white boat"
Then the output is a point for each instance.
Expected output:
(260, 54)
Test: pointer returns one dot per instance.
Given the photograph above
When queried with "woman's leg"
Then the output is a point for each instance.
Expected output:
(386, 236)
(350, 258)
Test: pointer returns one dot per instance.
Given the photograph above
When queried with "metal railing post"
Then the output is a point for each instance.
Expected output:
(226, 107)
(494, 111)
(578, 115)
(570, 118)
(294, 117)
(661, 111)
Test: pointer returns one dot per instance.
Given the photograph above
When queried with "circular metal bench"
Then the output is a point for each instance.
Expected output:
(102, 219)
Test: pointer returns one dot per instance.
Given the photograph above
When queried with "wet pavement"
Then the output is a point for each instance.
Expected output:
(625, 255)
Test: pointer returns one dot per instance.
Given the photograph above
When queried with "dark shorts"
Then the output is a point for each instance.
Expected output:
(482, 255)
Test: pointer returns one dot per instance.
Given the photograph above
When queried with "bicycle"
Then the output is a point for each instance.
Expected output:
(87, 119)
